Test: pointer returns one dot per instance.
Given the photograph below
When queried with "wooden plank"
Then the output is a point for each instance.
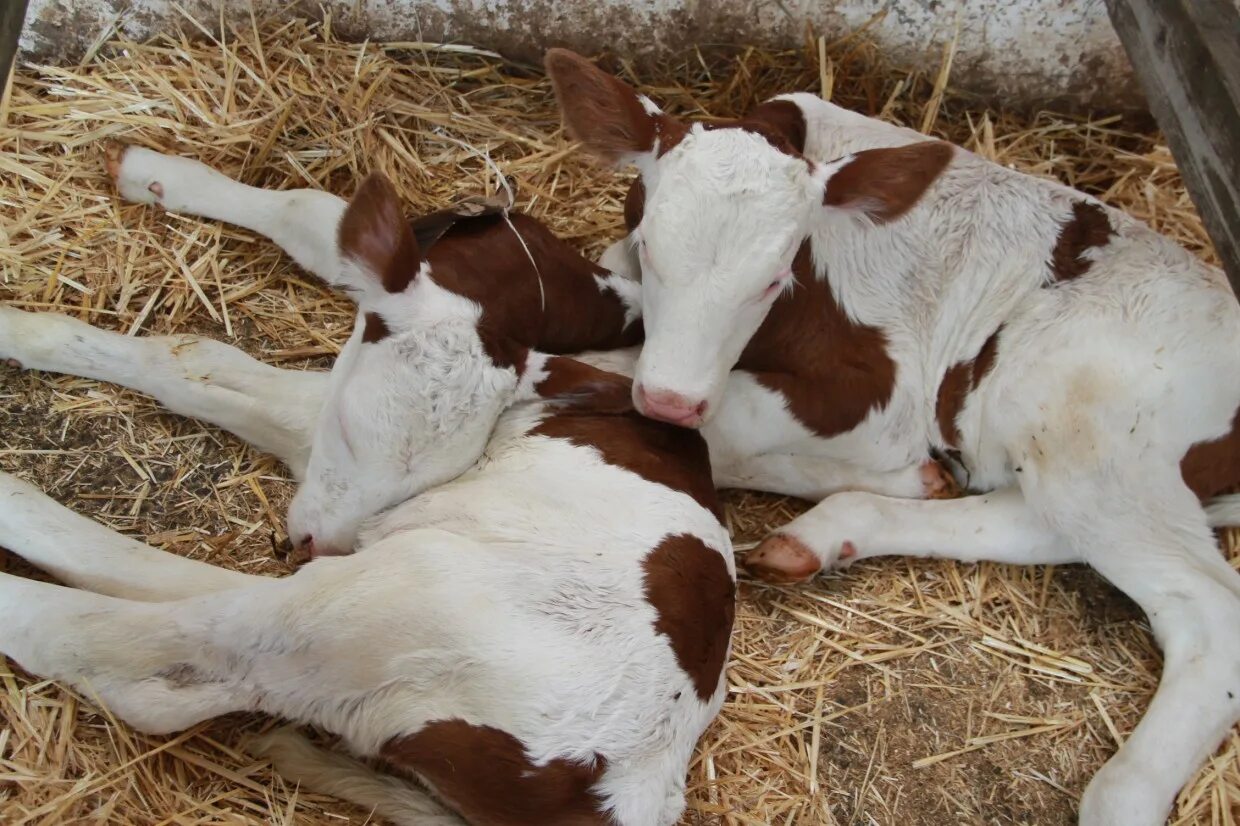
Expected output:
(12, 15)
(1186, 54)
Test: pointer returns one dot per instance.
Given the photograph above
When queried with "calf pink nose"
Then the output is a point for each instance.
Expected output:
(667, 406)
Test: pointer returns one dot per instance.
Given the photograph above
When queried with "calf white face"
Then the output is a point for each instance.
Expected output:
(725, 209)
(724, 215)
(413, 396)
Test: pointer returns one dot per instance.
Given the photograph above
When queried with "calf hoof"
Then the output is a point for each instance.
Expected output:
(112, 153)
(937, 483)
(136, 171)
(782, 559)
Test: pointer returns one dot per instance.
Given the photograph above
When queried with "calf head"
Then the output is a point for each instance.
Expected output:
(412, 397)
(416, 391)
(721, 210)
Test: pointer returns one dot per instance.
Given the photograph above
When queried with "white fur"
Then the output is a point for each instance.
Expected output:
(511, 597)
(1100, 386)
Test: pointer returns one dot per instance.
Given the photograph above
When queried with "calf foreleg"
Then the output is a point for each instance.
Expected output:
(846, 527)
(815, 477)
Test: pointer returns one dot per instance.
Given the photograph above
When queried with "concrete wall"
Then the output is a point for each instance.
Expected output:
(1018, 51)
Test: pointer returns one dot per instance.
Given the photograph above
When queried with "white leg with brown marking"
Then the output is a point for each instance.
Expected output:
(320, 771)
(816, 478)
(302, 222)
(87, 555)
(275, 410)
(846, 527)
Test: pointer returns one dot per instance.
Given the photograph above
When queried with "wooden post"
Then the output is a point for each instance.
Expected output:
(1186, 54)
(12, 15)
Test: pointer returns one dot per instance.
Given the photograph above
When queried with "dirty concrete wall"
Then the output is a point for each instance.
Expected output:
(1020, 52)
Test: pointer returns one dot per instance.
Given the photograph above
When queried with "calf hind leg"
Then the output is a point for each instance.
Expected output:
(85, 554)
(151, 664)
(275, 410)
(302, 222)
(1147, 534)
(327, 772)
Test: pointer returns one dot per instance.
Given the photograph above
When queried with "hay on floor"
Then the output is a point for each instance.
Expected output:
(900, 692)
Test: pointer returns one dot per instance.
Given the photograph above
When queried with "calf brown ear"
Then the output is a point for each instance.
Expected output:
(886, 183)
(374, 233)
(601, 111)
(782, 117)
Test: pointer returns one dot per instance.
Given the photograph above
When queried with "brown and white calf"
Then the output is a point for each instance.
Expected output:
(539, 641)
(821, 284)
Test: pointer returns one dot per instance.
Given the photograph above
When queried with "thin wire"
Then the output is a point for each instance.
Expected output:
(512, 199)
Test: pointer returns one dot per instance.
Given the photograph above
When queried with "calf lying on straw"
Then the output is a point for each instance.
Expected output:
(541, 640)
(867, 294)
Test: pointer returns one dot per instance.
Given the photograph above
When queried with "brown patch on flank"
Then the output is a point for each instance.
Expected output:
(886, 183)
(1088, 228)
(961, 379)
(667, 455)
(376, 329)
(373, 232)
(634, 204)
(1210, 468)
(832, 370)
(695, 597)
(552, 303)
(487, 776)
(581, 386)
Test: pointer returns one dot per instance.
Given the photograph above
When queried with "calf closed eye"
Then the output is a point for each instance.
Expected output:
(776, 285)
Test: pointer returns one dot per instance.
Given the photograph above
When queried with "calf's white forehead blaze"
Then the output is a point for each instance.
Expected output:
(721, 225)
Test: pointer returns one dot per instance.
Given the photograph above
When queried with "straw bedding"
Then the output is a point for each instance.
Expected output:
(899, 692)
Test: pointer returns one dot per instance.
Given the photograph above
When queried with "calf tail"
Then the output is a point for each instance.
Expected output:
(1223, 511)
(322, 771)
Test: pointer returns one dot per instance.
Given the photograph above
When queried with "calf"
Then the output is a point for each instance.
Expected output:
(541, 640)
(821, 284)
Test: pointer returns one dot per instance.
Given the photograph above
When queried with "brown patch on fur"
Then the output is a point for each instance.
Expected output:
(832, 370)
(487, 776)
(581, 386)
(374, 233)
(635, 204)
(669, 132)
(886, 183)
(695, 597)
(376, 329)
(483, 260)
(1088, 228)
(961, 379)
(674, 457)
(1210, 468)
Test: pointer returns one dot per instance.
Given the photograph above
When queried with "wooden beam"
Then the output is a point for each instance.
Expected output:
(12, 15)
(1186, 54)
